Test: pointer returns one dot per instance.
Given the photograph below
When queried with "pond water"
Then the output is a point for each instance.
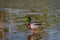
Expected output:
(53, 33)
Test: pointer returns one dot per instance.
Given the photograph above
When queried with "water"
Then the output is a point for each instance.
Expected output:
(53, 34)
(18, 36)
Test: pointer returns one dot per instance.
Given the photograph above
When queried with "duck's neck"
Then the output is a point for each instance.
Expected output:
(28, 23)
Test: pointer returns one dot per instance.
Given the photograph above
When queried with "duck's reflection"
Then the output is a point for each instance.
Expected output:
(34, 36)
(37, 36)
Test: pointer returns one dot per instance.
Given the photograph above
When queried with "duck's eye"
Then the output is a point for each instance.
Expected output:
(29, 24)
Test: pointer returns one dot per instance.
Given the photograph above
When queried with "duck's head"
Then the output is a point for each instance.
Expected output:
(27, 18)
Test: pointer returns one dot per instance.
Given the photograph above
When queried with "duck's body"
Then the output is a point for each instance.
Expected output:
(33, 25)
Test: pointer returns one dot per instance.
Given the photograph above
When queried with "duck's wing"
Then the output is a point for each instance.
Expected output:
(38, 24)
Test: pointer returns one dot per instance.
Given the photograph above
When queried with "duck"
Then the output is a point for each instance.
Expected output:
(34, 25)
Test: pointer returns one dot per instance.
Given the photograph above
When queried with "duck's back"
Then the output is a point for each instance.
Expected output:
(35, 25)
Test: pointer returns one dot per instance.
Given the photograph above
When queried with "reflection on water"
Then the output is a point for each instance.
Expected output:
(34, 36)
